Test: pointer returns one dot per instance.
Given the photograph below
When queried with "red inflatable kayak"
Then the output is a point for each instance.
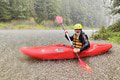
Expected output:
(63, 52)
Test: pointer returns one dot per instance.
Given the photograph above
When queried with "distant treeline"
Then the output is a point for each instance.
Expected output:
(86, 12)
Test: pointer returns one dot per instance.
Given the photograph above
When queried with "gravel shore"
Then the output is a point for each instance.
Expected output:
(16, 66)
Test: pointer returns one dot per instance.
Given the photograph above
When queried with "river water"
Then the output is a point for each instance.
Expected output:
(16, 66)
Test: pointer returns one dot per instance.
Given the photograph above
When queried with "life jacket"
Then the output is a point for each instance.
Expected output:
(76, 41)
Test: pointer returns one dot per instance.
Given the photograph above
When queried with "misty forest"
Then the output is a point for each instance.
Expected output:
(90, 13)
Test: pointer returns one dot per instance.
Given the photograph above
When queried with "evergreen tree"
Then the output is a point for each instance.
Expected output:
(46, 9)
(4, 10)
(52, 9)
(20, 9)
(116, 7)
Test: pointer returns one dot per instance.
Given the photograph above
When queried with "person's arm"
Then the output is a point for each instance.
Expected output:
(71, 37)
(86, 45)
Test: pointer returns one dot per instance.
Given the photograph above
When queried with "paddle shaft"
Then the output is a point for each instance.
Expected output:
(67, 35)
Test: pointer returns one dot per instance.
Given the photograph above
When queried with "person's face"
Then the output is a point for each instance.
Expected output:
(77, 30)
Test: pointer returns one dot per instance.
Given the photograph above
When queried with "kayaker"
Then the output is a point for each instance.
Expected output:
(79, 39)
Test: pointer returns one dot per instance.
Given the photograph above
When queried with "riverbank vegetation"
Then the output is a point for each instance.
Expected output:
(112, 32)
(25, 24)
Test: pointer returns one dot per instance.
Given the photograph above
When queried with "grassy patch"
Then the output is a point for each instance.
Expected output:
(114, 39)
(22, 27)
(30, 27)
(4, 25)
(30, 24)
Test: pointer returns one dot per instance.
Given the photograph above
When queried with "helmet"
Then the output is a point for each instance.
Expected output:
(77, 26)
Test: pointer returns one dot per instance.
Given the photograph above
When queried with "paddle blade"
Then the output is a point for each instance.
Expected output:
(84, 66)
(59, 19)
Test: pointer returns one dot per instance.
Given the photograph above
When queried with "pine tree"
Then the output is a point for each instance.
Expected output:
(116, 7)
(52, 9)
(20, 9)
(46, 10)
(4, 10)
(40, 10)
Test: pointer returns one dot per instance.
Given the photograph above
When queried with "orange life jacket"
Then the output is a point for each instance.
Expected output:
(76, 42)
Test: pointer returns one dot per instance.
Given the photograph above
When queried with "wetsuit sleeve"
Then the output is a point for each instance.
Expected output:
(86, 45)
(71, 37)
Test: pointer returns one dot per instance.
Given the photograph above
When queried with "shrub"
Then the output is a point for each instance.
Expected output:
(115, 27)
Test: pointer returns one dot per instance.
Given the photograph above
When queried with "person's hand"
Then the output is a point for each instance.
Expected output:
(66, 32)
(76, 50)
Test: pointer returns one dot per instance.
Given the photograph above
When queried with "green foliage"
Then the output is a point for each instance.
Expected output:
(16, 9)
(115, 27)
(111, 36)
(46, 10)
(116, 3)
(82, 11)
(48, 23)
(102, 30)
(112, 33)
(67, 21)
(20, 9)
(116, 7)
(101, 36)
(4, 10)
(78, 11)
(29, 27)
